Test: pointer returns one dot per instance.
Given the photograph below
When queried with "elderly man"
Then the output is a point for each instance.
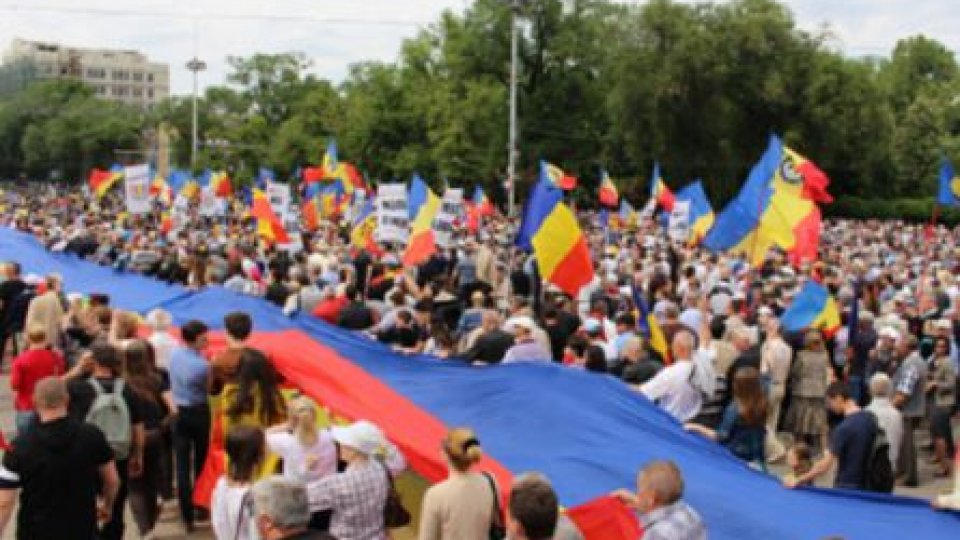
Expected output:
(635, 365)
(281, 510)
(659, 499)
(47, 310)
(682, 387)
(889, 418)
(910, 398)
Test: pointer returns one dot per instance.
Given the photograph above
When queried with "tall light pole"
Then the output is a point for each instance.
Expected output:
(513, 152)
(195, 65)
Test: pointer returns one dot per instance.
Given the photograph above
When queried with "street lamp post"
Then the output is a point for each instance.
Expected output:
(512, 149)
(195, 65)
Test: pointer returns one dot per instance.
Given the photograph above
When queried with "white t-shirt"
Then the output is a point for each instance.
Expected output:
(225, 508)
(305, 464)
(163, 344)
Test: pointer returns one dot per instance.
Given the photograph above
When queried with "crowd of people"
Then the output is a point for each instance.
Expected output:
(816, 401)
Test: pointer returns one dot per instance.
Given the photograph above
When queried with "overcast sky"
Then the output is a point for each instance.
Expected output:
(336, 33)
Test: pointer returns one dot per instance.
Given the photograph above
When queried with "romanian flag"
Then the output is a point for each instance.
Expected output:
(608, 195)
(363, 228)
(310, 211)
(423, 206)
(701, 213)
(333, 198)
(311, 174)
(627, 214)
(949, 192)
(101, 181)
(220, 181)
(775, 208)
(181, 182)
(555, 175)
(166, 223)
(812, 308)
(659, 191)
(269, 225)
(331, 166)
(481, 204)
(160, 189)
(551, 231)
(649, 327)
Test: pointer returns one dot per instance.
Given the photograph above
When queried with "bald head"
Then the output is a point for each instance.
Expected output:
(662, 481)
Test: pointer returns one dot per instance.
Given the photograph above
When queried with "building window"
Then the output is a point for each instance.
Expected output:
(63, 70)
(137, 76)
(149, 77)
(137, 92)
(150, 93)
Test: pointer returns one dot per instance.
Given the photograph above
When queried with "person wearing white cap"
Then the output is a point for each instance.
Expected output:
(525, 348)
(357, 495)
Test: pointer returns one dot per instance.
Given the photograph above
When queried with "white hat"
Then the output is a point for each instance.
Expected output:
(362, 436)
(890, 332)
(943, 323)
(521, 321)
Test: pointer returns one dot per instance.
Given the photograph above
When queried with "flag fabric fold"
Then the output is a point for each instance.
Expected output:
(269, 225)
(649, 327)
(701, 213)
(948, 193)
(813, 307)
(101, 181)
(423, 205)
(659, 191)
(555, 175)
(775, 208)
(551, 231)
(608, 194)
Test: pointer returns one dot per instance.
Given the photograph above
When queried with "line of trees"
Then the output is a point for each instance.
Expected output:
(698, 87)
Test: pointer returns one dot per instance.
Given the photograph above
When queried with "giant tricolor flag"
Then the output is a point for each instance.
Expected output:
(423, 206)
(532, 416)
(813, 307)
(948, 193)
(777, 207)
(608, 194)
(555, 175)
(100, 181)
(551, 231)
(701, 213)
(269, 225)
(659, 191)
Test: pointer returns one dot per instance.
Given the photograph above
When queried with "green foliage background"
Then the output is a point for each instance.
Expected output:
(698, 87)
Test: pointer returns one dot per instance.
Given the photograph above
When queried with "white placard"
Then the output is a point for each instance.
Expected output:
(451, 208)
(136, 185)
(280, 198)
(678, 228)
(210, 204)
(393, 222)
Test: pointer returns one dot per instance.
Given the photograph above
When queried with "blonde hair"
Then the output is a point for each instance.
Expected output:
(36, 334)
(303, 412)
(462, 447)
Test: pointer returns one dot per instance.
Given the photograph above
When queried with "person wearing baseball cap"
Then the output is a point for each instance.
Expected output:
(358, 494)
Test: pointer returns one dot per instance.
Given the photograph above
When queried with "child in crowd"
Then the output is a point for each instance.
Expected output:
(799, 461)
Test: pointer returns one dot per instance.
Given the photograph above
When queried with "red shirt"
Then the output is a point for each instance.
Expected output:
(329, 310)
(28, 369)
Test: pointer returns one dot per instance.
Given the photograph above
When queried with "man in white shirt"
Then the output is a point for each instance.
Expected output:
(888, 416)
(673, 388)
(775, 356)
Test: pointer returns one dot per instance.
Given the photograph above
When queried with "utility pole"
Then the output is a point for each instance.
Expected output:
(195, 65)
(513, 150)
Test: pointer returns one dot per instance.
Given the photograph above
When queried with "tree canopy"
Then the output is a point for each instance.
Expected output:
(695, 87)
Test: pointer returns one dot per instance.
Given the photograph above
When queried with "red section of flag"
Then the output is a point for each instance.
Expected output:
(605, 519)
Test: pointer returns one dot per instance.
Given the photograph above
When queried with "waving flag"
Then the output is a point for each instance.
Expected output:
(268, 224)
(330, 167)
(949, 192)
(101, 181)
(423, 206)
(812, 308)
(481, 203)
(659, 191)
(701, 213)
(310, 211)
(160, 189)
(364, 226)
(649, 327)
(555, 175)
(608, 195)
(312, 174)
(551, 231)
(775, 208)
(264, 176)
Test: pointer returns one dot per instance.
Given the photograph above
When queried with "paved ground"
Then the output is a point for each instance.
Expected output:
(170, 528)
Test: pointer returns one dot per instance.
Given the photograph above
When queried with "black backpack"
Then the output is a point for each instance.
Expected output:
(878, 473)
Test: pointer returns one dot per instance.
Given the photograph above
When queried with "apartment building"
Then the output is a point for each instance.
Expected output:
(119, 75)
